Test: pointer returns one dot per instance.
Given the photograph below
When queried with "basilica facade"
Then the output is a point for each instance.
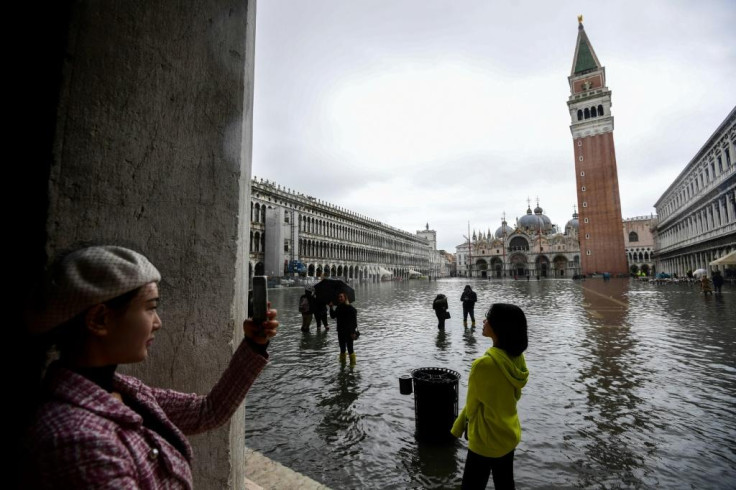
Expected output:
(532, 247)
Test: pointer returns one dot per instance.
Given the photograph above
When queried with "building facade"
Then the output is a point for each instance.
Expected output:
(440, 265)
(639, 241)
(697, 212)
(533, 247)
(602, 246)
(293, 233)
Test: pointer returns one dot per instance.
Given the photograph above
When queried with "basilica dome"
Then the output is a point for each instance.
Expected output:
(573, 223)
(538, 211)
(531, 221)
(504, 228)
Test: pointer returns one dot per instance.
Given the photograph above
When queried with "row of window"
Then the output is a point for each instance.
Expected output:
(316, 226)
(638, 257)
(589, 112)
(699, 179)
(497, 262)
(719, 213)
(312, 248)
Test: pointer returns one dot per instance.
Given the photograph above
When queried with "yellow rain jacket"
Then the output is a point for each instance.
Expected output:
(494, 387)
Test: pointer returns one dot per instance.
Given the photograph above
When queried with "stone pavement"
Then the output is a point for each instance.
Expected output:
(265, 474)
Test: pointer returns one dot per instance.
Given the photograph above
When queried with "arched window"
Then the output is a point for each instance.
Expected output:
(593, 112)
(600, 110)
(633, 237)
(587, 113)
(518, 243)
(580, 115)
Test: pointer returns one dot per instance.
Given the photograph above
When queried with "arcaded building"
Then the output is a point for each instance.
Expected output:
(601, 242)
(294, 233)
(639, 241)
(697, 212)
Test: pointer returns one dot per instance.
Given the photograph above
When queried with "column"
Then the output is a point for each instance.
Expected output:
(135, 127)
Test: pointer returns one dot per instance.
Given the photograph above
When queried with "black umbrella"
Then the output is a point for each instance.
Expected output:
(328, 289)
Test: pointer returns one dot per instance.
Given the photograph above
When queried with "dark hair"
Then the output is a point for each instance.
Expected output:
(509, 324)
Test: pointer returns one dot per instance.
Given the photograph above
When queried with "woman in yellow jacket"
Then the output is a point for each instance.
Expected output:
(494, 386)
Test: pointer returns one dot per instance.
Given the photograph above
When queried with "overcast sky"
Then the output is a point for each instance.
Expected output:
(454, 111)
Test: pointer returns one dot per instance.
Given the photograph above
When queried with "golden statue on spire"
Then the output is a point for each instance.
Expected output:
(580, 18)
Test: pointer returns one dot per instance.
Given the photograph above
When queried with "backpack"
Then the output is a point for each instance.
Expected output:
(303, 305)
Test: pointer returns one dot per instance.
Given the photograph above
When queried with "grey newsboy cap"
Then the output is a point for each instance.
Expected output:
(87, 277)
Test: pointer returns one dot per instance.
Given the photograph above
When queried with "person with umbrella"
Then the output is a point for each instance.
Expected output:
(346, 317)
(705, 286)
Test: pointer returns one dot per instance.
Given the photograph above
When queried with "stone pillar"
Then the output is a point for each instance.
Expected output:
(152, 149)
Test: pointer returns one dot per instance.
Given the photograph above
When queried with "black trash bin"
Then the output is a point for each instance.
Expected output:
(435, 402)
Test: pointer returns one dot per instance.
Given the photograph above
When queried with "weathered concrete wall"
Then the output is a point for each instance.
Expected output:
(152, 150)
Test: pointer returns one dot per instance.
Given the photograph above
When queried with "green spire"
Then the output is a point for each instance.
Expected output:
(585, 60)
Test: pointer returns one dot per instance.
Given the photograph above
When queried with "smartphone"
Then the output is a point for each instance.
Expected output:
(260, 300)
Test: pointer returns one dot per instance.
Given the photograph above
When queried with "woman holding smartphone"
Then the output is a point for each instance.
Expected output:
(95, 428)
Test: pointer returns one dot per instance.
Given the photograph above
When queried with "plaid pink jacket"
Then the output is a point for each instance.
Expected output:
(83, 437)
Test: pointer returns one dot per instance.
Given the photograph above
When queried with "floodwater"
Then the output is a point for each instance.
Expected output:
(631, 386)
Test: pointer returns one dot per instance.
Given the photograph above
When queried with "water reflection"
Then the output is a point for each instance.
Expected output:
(631, 386)
(442, 340)
(432, 465)
(611, 377)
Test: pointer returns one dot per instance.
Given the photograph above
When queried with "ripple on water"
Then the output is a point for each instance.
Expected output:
(632, 385)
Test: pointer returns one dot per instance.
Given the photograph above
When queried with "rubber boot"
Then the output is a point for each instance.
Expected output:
(465, 323)
(473, 323)
(343, 357)
(353, 360)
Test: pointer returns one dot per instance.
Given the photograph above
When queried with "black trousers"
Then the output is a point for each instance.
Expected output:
(468, 310)
(478, 469)
(440, 318)
(321, 317)
(345, 340)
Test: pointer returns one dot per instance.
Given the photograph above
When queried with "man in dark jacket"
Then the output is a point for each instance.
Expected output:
(346, 317)
(440, 309)
(717, 281)
(468, 298)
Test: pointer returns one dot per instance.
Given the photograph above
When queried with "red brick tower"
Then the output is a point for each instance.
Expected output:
(601, 239)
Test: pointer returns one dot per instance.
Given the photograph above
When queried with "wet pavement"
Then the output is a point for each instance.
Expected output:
(631, 386)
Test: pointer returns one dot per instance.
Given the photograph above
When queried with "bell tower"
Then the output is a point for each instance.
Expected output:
(600, 225)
